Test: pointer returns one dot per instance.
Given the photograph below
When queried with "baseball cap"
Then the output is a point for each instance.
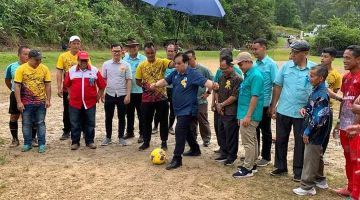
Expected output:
(35, 54)
(83, 55)
(300, 45)
(131, 42)
(74, 37)
(243, 56)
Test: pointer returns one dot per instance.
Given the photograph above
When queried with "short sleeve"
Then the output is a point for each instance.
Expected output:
(169, 78)
(8, 72)
(279, 78)
(257, 85)
(217, 75)
(128, 71)
(19, 75)
(104, 71)
(60, 63)
(138, 74)
(274, 71)
(47, 74)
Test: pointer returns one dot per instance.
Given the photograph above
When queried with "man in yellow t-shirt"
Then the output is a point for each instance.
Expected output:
(33, 93)
(148, 72)
(65, 62)
(334, 81)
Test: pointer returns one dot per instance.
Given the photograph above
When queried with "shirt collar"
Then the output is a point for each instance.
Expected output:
(114, 62)
(320, 86)
(78, 67)
(187, 71)
(263, 61)
(250, 71)
(308, 65)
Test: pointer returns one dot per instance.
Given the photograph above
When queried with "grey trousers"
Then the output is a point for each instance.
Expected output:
(313, 169)
(203, 122)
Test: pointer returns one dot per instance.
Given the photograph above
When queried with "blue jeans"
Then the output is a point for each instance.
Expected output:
(88, 116)
(34, 114)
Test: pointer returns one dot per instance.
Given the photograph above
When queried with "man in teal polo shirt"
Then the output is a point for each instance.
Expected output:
(134, 58)
(291, 92)
(268, 69)
(249, 112)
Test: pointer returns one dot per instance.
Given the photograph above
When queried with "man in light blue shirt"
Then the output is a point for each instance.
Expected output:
(291, 92)
(134, 58)
(268, 69)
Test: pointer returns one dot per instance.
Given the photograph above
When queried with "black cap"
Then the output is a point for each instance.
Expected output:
(300, 45)
(35, 54)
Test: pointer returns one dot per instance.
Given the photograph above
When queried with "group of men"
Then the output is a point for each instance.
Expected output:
(246, 94)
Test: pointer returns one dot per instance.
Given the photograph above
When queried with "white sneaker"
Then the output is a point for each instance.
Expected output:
(106, 141)
(302, 192)
(123, 142)
(322, 184)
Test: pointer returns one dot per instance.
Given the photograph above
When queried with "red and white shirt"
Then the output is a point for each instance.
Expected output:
(83, 86)
(351, 90)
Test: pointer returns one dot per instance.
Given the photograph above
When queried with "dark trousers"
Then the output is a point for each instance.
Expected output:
(77, 116)
(172, 113)
(149, 108)
(216, 127)
(135, 103)
(265, 129)
(182, 134)
(109, 105)
(283, 128)
(203, 122)
(66, 117)
(327, 137)
(228, 136)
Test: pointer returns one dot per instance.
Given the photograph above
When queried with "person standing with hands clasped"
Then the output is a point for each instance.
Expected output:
(317, 115)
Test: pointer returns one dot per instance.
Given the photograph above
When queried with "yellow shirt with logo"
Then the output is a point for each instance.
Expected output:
(151, 72)
(32, 82)
(66, 61)
(334, 81)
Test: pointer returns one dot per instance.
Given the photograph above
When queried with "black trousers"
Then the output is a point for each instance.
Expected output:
(327, 137)
(182, 134)
(149, 108)
(135, 103)
(109, 105)
(216, 125)
(66, 117)
(172, 113)
(228, 136)
(265, 129)
(283, 128)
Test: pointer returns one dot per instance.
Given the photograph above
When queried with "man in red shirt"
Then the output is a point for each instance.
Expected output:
(351, 90)
(85, 86)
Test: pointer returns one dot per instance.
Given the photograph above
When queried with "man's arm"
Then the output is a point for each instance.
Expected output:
(252, 105)
(160, 83)
(59, 81)
(275, 98)
(128, 91)
(8, 83)
(139, 82)
(48, 94)
(20, 105)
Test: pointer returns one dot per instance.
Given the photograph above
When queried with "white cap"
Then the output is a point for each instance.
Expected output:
(74, 37)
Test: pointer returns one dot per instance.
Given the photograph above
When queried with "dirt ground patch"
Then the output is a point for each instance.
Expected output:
(116, 172)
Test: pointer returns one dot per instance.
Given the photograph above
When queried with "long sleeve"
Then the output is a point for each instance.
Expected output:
(318, 115)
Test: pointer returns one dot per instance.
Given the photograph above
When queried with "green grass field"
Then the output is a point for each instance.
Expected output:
(98, 57)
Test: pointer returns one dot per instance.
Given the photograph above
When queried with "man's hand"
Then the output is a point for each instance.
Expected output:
(335, 131)
(219, 108)
(306, 139)
(353, 129)
(302, 112)
(215, 86)
(98, 97)
(152, 87)
(20, 107)
(47, 103)
(103, 98)
(213, 106)
(246, 121)
(273, 112)
(205, 95)
(127, 99)
(60, 93)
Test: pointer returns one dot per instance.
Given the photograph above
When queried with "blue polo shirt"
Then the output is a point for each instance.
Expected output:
(168, 71)
(134, 62)
(185, 88)
(268, 69)
(252, 85)
(296, 88)
(10, 73)
(219, 73)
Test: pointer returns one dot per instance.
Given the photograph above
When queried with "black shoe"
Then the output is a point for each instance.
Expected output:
(65, 136)
(229, 162)
(129, 135)
(192, 153)
(164, 145)
(141, 139)
(144, 146)
(221, 159)
(296, 179)
(217, 151)
(279, 172)
(206, 143)
(174, 164)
